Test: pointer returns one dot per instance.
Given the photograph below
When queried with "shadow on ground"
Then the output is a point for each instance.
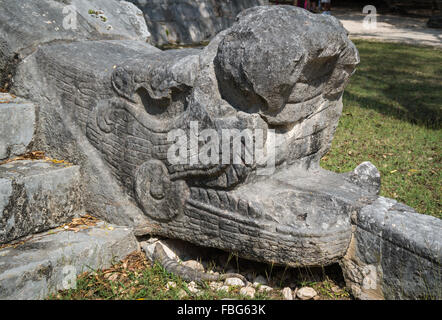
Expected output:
(391, 80)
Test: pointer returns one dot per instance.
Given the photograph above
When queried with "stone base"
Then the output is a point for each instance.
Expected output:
(36, 196)
(395, 253)
(51, 261)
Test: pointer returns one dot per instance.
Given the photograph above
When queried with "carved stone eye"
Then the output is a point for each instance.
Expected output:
(105, 117)
(154, 107)
(163, 105)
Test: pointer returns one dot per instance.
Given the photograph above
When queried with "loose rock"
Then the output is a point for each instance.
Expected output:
(306, 293)
(234, 282)
(223, 288)
(264, 288)
(194, 265)
(182, 294)
(215, 285)
(260, 280)
(248, 291)
(287, 293)
(192, 286)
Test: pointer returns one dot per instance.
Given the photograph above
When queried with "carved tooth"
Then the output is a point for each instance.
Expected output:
(243, 207)
(224, 200)
(254, 211)
(232, 178)
(233, 205)
(213, 196)
(203, 196)
(194, 192)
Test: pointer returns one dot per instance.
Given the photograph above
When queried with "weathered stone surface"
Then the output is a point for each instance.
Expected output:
(190, 21)
(305, 66)
(51, 261)
(113, 107)
(17, 128)
(234, 282)
(367, 176)
(395, 253)
(36, 196)
(110, 105)
(52, 73)
(28, 24)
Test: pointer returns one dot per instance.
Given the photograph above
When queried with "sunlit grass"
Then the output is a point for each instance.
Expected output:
(392, 117)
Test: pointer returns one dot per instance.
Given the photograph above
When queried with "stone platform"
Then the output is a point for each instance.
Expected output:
(51, 261)
(36, 196)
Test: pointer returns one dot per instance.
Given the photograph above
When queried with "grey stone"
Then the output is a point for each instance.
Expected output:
(36, 196)
(17, 128)
(264, 288)
(306, 293)
(395, 253)
(109, 106)
(260, 280)
(367, 176)
(126, 99)
(27, 24)
(234, 282)
(194, 265)
(190, 21)
(248, 292)
(51, 261)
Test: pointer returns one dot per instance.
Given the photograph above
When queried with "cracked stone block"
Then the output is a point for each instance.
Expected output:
(51, 261)
(395, 253)
(17, 119)
(36, 196)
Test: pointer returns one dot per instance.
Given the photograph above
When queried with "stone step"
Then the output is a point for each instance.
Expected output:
(51, 261)
(395, 253)
(37, 195)
(18, 122)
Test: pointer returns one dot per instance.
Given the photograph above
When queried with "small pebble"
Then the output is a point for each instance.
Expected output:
(248, 291)
(223, 288)
(192, 287)
(306, 293)
(234, 282)
(287, 293)
(194, 265)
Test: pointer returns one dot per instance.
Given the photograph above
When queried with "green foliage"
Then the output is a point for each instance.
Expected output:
(392, 117)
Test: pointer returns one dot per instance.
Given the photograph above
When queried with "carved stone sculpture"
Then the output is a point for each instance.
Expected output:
(110, 106)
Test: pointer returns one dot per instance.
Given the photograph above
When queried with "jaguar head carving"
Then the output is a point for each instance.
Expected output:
(279, 71)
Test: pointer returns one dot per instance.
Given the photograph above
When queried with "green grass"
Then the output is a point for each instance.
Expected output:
(392, 117)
